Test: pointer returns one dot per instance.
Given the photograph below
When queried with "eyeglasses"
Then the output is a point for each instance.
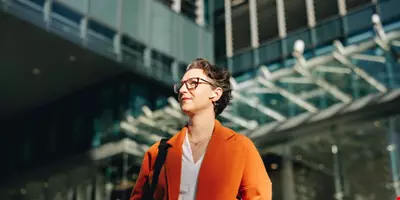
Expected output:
(191, 84)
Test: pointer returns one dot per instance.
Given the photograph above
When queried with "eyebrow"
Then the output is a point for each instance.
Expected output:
(203, 78)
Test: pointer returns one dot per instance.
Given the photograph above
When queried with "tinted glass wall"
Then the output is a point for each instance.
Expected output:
(74, 124)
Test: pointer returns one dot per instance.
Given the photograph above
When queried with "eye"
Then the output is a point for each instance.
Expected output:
(192, 82)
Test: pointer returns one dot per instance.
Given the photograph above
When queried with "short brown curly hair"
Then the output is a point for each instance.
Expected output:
(221, 78)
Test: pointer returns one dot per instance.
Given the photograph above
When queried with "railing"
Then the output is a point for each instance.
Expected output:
(355, 27)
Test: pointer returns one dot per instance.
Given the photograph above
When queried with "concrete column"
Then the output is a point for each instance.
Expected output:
(80, 192)
(280, 8)
(117, 46)
(255, 43)
(118, 35)
(228, 33)
(342, 7)
(47, 7)
(228, 28)
(339, 189)
(310, 13)
(200, 20)
(288, 175)
(175, 71)
(176, 5)
(108, 190)
(393, 149)
(147, 57)
(100, 188)
(254, 23)
(84, 22)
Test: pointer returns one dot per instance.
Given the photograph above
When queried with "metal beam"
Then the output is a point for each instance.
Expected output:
(336, 69)
(345, 119)
(302, 68)
(371, 58)
(290, 96)
(248, 124)
(360, 72)
(266, 110)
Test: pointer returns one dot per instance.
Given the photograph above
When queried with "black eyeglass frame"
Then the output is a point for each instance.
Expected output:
(179, 85)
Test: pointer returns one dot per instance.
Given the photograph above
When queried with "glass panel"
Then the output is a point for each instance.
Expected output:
(313, 171)
(189, 36)
(360, 20)
(77, 5)
(207, 51)
(389, 10)
(136, 19)
(328, 31)
(162, 28)
(354, 4)
(156, 25)
(270, 51)
(298, 14)
(356, 163)
(243, 62)
(65, 11)
(366, 161)
(325, 10)
(267, 20)
(39, 2)
(241, 27)
(104, 11)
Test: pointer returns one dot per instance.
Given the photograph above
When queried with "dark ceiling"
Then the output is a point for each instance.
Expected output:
(38, 67)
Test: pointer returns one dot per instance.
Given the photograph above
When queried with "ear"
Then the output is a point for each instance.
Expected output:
(216, 94)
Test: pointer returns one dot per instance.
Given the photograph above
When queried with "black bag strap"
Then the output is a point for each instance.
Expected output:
(160, 160)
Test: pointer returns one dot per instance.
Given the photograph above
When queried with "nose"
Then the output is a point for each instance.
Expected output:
(183, 89)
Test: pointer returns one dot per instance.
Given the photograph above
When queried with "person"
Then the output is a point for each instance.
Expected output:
(206, 160)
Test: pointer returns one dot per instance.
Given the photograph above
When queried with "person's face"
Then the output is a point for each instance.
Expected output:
(197, 92)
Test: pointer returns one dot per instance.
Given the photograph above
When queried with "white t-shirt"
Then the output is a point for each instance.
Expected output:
(190, 172)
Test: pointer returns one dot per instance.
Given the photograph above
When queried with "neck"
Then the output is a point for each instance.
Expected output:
(201, 125)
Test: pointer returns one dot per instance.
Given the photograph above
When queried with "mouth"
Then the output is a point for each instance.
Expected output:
(185, 99)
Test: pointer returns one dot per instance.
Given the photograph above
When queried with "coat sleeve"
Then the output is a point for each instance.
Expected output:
(145, 172)
(137, 191)
(255, 183)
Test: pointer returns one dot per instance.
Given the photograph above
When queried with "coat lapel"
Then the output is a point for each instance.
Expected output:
(174, 164)
(208, 174)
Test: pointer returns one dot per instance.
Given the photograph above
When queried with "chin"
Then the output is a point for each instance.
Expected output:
(187, 110)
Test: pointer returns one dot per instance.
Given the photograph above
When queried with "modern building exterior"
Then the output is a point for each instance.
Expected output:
(72, 71)
(315, 87)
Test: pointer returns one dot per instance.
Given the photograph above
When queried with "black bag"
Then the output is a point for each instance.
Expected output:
(148, 190)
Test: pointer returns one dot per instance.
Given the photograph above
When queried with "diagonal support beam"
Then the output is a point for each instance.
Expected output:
(396, 43)
(296, 80)
(338, 55)
(360, 72)
(252, 102)
(265, 110)
(174, 110)
(371, 58)
(333, 69)
(250, 125)
(300, 102)
(301, 67)
(312, 93)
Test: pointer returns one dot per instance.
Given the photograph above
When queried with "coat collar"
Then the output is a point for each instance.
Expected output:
(219, 131)
(174, 157)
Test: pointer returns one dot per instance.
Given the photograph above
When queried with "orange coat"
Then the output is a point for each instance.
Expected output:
(231, 166)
